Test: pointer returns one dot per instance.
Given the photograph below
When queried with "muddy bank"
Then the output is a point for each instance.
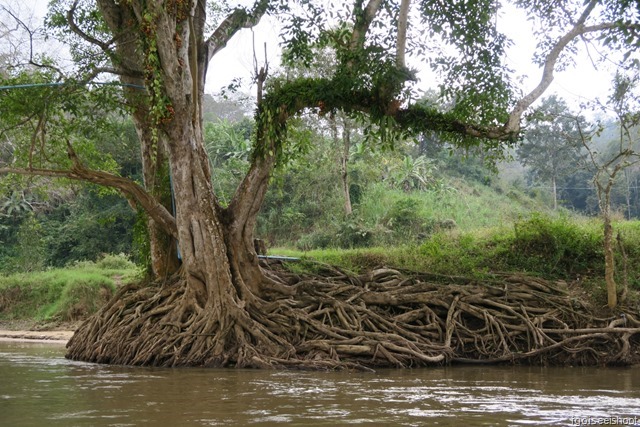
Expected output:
(40, 336)
(57, 332)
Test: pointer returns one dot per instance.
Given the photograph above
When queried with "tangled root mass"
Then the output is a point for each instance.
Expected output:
(336, 320)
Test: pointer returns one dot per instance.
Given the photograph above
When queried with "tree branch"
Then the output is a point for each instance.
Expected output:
(513, 123)
(401, 43)
(364, 18)
(74, 27)
(236, 21)
(124, 185)
(104, 46)
(138, 75)
(20, 23)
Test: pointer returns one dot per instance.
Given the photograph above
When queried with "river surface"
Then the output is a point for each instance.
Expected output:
(39, 387)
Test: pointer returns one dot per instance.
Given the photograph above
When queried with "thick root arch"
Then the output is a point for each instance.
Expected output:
(337, 320)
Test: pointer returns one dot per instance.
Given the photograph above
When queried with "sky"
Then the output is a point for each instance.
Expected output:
(577, 84)
(585, 81)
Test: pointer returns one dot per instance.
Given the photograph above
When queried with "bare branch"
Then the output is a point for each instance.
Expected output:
(31, 33)
(236, 21)
(579, 29)
(260, 73)
(125, 185)
(401, 44)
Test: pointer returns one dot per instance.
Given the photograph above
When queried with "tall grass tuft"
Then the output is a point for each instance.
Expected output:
(82, 296)
(65, 294)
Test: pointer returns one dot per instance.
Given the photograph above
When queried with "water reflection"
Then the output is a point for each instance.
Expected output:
(39, 387)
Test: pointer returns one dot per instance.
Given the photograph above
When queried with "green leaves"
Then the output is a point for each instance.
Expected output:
(414, 173)
(38, 131)
(15, 204)
(476, 81)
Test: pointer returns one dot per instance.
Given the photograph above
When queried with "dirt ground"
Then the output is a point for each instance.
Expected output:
(42, 332)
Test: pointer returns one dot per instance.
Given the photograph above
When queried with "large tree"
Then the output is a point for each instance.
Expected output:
(222, 308)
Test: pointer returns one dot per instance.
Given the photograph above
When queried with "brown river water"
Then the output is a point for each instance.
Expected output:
(39, 387)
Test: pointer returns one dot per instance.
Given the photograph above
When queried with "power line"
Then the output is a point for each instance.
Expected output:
(574, 188)
(30, 85)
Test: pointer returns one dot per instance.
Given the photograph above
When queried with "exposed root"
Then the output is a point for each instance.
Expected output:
(384, 318)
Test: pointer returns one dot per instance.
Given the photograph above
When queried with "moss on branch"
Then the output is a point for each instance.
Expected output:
(349, 94)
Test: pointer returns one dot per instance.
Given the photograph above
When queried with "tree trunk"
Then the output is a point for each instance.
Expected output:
(609, 261)
(343, 156)
(153, 151)
(240, 220)
(604, 202)
(555, 193)
(346, 145)
(163, 250)
(627, 181)
(162, 246)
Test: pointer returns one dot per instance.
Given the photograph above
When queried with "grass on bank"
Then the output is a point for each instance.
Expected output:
(66, 294)
(552, 247)
(386, 216)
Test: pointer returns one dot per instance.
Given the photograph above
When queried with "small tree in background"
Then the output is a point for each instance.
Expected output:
(30, 247)
(623, 154)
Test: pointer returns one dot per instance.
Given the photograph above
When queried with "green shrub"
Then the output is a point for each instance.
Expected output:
(318, 239)
(115, 262)
(29, 252)
(404, 218)
(354, 234)
(553, 245)
(81, 265)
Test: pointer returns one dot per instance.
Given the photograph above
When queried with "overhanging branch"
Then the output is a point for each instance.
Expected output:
(579, 29)
(125, 185)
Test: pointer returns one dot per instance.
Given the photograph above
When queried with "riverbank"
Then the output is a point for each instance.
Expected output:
(58, 333)
(535, 296)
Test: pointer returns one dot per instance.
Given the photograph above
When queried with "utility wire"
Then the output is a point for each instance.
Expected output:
(23, 86)
(572, 188)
